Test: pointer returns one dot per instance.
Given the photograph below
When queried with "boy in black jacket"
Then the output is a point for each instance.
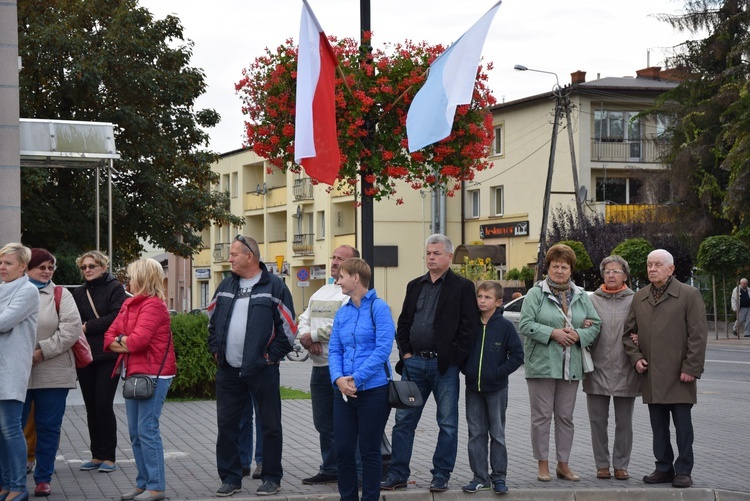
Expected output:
(497, 352)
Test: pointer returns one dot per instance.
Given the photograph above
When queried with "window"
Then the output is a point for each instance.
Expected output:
(235, 185)
(321, 229)
(497, 145)
(472, 204)
(618, 190)
(498, 204)
(619, 127)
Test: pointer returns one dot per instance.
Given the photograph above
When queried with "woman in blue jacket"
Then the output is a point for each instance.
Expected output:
(358, 352)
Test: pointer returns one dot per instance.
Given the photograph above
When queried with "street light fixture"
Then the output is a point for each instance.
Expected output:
(520, 67)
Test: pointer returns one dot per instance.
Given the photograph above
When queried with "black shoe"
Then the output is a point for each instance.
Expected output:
(268, 488)
(438, 484)
(320, 478)
(246, 471)
(682, 481)
(228, 490)
(659, 477)
(258, 471)
(392, 483)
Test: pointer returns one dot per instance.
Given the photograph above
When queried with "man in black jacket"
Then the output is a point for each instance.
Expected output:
(251, 328)
(435, 332)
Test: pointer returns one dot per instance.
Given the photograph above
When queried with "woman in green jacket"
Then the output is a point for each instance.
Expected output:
(551, 322)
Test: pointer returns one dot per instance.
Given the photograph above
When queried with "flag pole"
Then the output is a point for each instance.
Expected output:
(368, 238)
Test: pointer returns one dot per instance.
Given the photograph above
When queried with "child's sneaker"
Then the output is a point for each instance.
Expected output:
(499, 487)
(475, 486)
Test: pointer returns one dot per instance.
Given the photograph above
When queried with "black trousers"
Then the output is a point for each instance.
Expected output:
(683, 424)
(231, 394)
(98, 389)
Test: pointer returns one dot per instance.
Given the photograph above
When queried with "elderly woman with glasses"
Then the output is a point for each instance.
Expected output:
(53, 371)
(613, 375)
(19, 306)
(99, 300)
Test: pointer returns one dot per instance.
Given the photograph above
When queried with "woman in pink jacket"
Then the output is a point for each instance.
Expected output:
(141, 334)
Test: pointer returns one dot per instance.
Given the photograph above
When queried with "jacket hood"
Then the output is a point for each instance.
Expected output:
(105, 278)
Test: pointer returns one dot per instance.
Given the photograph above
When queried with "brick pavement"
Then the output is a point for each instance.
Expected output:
(189, 431)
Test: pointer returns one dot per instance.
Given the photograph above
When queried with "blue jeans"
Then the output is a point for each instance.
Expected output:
(360, 421)
(48, 417)
(145, 438)
(322, 394)
(12, 447)
(246, 434)
(231, 394)
(485, 416)
(424, 373)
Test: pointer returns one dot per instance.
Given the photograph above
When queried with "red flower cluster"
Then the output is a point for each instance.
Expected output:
(372, 101)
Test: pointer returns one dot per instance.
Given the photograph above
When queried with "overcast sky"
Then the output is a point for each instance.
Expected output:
(601, 37)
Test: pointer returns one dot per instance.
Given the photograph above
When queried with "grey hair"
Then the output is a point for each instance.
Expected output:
(437, 238)
(663, 254)
(614, 258)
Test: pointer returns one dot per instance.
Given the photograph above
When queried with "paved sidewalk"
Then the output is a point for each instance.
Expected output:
(189, 431)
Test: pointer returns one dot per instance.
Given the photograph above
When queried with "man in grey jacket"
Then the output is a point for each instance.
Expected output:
(741, 307)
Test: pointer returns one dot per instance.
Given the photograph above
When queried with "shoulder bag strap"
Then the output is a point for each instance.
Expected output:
(91, 302)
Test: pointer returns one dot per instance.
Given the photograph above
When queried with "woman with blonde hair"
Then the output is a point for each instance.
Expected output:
(19, 306)
(142, 338)
(99, 300)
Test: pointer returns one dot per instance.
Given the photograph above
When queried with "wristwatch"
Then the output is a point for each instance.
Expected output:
(119, 339)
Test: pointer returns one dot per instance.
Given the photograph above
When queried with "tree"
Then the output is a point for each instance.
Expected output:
(378, 95)
(635, 251)
(722, 255)
(708, 116)
(111, 61)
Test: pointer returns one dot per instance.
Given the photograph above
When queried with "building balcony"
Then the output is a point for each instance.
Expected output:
(302, 245)
(221, 252)
(302, 189)
(639, 151)
(635, 213)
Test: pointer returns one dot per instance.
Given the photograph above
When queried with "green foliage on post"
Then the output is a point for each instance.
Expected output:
(723, 254)
(635, 251)
(513, 274)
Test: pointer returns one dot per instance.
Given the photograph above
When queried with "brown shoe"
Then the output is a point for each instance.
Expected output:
(603, 473)
(621, 474)
(682, 481)
(659, 477)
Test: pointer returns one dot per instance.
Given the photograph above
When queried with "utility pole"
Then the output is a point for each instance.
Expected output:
(368, 211)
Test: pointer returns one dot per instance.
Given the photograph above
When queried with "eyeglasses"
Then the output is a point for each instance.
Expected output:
(240, 238)
(613, 272)
(89, 267)
(47, 268)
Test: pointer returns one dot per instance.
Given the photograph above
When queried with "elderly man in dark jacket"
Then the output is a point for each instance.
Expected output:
(437, 326)
(669, 319)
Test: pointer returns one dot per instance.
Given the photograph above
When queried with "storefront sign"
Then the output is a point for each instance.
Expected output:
(499, 230)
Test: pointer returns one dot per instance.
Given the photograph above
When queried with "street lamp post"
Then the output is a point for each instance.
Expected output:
(562, 103)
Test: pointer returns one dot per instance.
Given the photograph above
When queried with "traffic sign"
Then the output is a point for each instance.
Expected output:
(303, 274)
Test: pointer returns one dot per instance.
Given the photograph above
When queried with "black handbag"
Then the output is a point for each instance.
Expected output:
(141, 387)
(403, 394)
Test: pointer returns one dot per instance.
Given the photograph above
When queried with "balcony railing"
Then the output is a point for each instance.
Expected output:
(636, 213)
(221, 252)
(642, 151)
(303, 189)
(302, 245)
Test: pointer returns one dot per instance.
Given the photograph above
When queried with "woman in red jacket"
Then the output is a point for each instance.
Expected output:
(141, 334)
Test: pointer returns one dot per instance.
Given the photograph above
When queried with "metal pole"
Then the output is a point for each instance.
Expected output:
(98, 167)
(109, 213)
(368, 238)
(548, 187)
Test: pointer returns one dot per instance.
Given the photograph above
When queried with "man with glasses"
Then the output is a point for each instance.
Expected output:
(251, 328)
(315, 331)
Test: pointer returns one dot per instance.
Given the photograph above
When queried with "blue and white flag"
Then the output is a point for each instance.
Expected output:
(449, 83)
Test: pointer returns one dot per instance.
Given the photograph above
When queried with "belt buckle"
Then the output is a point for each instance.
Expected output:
(428, 354)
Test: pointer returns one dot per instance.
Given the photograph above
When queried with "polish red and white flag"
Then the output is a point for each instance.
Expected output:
(316, 145)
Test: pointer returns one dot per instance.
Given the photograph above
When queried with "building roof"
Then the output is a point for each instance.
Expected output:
(606, 84)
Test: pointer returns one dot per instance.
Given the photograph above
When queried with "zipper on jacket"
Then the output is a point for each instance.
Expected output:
(481, 356)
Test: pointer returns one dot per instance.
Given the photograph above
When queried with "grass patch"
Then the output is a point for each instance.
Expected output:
(286, 394)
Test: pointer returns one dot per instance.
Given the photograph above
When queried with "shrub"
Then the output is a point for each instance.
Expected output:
(196, 370)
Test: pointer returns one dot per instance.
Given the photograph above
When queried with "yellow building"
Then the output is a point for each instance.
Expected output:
(616, 155)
